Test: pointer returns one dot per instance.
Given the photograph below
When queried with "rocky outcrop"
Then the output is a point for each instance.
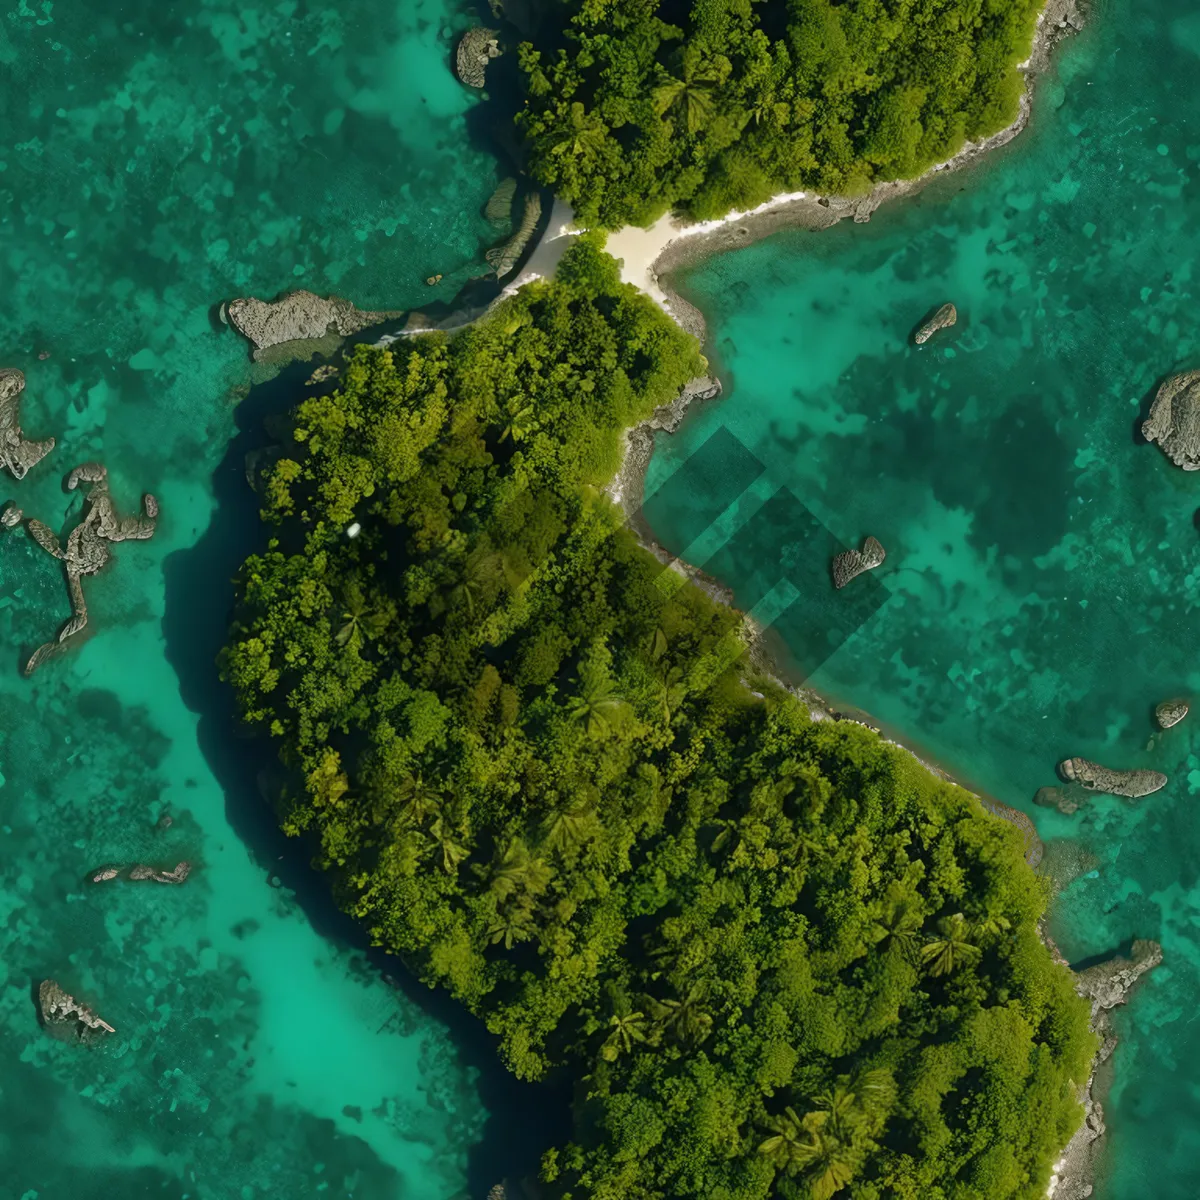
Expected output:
(942, 319)
(1106, 986)
(17, 453)
(1170, 712)
(852, 563)
(322, 375)
(104, 874)
(63, 1015)
(1174, 420)
(1117, 783)
(11, 516)
(298, 316)
(476, 49)
(141, 872)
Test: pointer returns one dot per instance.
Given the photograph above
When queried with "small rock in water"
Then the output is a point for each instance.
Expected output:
(11, 517)
(433, 279)
(105, 874)
(63, 1014)
(1133, 784)
(851, 563)
(1174, 420)
(942, 319)
(1170, 712)
(476, 49)
(165, 821)
(321, 374)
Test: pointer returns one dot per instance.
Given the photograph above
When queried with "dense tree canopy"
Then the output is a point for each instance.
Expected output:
(638, 106)
(776, 956)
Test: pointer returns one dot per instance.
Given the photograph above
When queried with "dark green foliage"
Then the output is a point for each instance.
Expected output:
(778, 957)
(741, 100)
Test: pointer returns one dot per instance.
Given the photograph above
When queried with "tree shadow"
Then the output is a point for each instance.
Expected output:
(523, 1119)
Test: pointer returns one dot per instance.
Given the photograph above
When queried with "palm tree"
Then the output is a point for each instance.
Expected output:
(804, 1144)
(626, 1028)
(361, 622)
(597, 702)
(418, 800)
(481, 570)
(952, 948)
(521, 422)
(684, 1017)
(511, 926)
(568, 828)
(584, 134)
(990, 925)
(670, 691)
(900, 923)
(446, 843)
(692, 93)
(791, 1146)
(517, 871)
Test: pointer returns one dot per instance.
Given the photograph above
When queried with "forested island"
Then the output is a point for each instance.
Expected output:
(774, 956)
(634, 107)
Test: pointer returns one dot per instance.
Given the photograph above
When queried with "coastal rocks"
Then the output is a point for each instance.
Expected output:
(1108, 984)
(1174, 420)
(104, 874)
(942, 319)
(503, 258)
(64, 1016)
(17, 453)
(87, 549)
(1033, 844)
(141, 872)
(11, 517)
(499, 207)
(476, 49)
(852, 563)
(1096, 778)
(1170, 712)
(298, 316)
(321, 375)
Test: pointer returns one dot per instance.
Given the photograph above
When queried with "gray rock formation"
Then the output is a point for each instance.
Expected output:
(64, 1015)
(852, 563)
(321, 375)
(298, 316)
(11, 517)
(1174, 420)
(1106, 985)
(87, 549)
(942, 319)
(1170, 712)
(104, 874)
(141, 872)
(476, 49)
(1117, 783)
(17, 453)
(503, 258)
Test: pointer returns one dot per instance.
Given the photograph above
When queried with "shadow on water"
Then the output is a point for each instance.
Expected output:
(523, 1119)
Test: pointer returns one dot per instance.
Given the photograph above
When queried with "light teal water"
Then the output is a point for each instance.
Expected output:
(1043, 566)
(154, 160)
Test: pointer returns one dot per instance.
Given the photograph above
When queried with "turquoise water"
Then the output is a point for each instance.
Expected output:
(154, 160)
(1042, 584)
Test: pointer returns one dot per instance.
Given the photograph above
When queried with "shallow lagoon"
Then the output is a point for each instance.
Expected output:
(1043, 575)
(155, 160)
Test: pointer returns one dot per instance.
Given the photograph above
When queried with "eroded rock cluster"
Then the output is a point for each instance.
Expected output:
(852, 563)
(942, 319)
(1174, 420)
(17, 452)
(87, 548)
(1117, 783)
(139, 872)
(476, 49)
(1170, 712)
(64, 1016)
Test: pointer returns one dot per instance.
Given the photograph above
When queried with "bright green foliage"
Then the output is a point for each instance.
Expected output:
(778, 957)
(719, 104)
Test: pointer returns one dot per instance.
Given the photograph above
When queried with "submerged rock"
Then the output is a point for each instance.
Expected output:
(298, 316)
(1067, 799)
(17, 453)
(499, 207)
(503, 258)
(942, 319)
(852, 563)
(1170, 712)
(476, 49)
(62, 1013)
(1174, 420)
(1117, 783)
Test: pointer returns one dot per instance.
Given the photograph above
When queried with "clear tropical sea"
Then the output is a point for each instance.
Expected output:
(156, 159)
(1042, 587)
